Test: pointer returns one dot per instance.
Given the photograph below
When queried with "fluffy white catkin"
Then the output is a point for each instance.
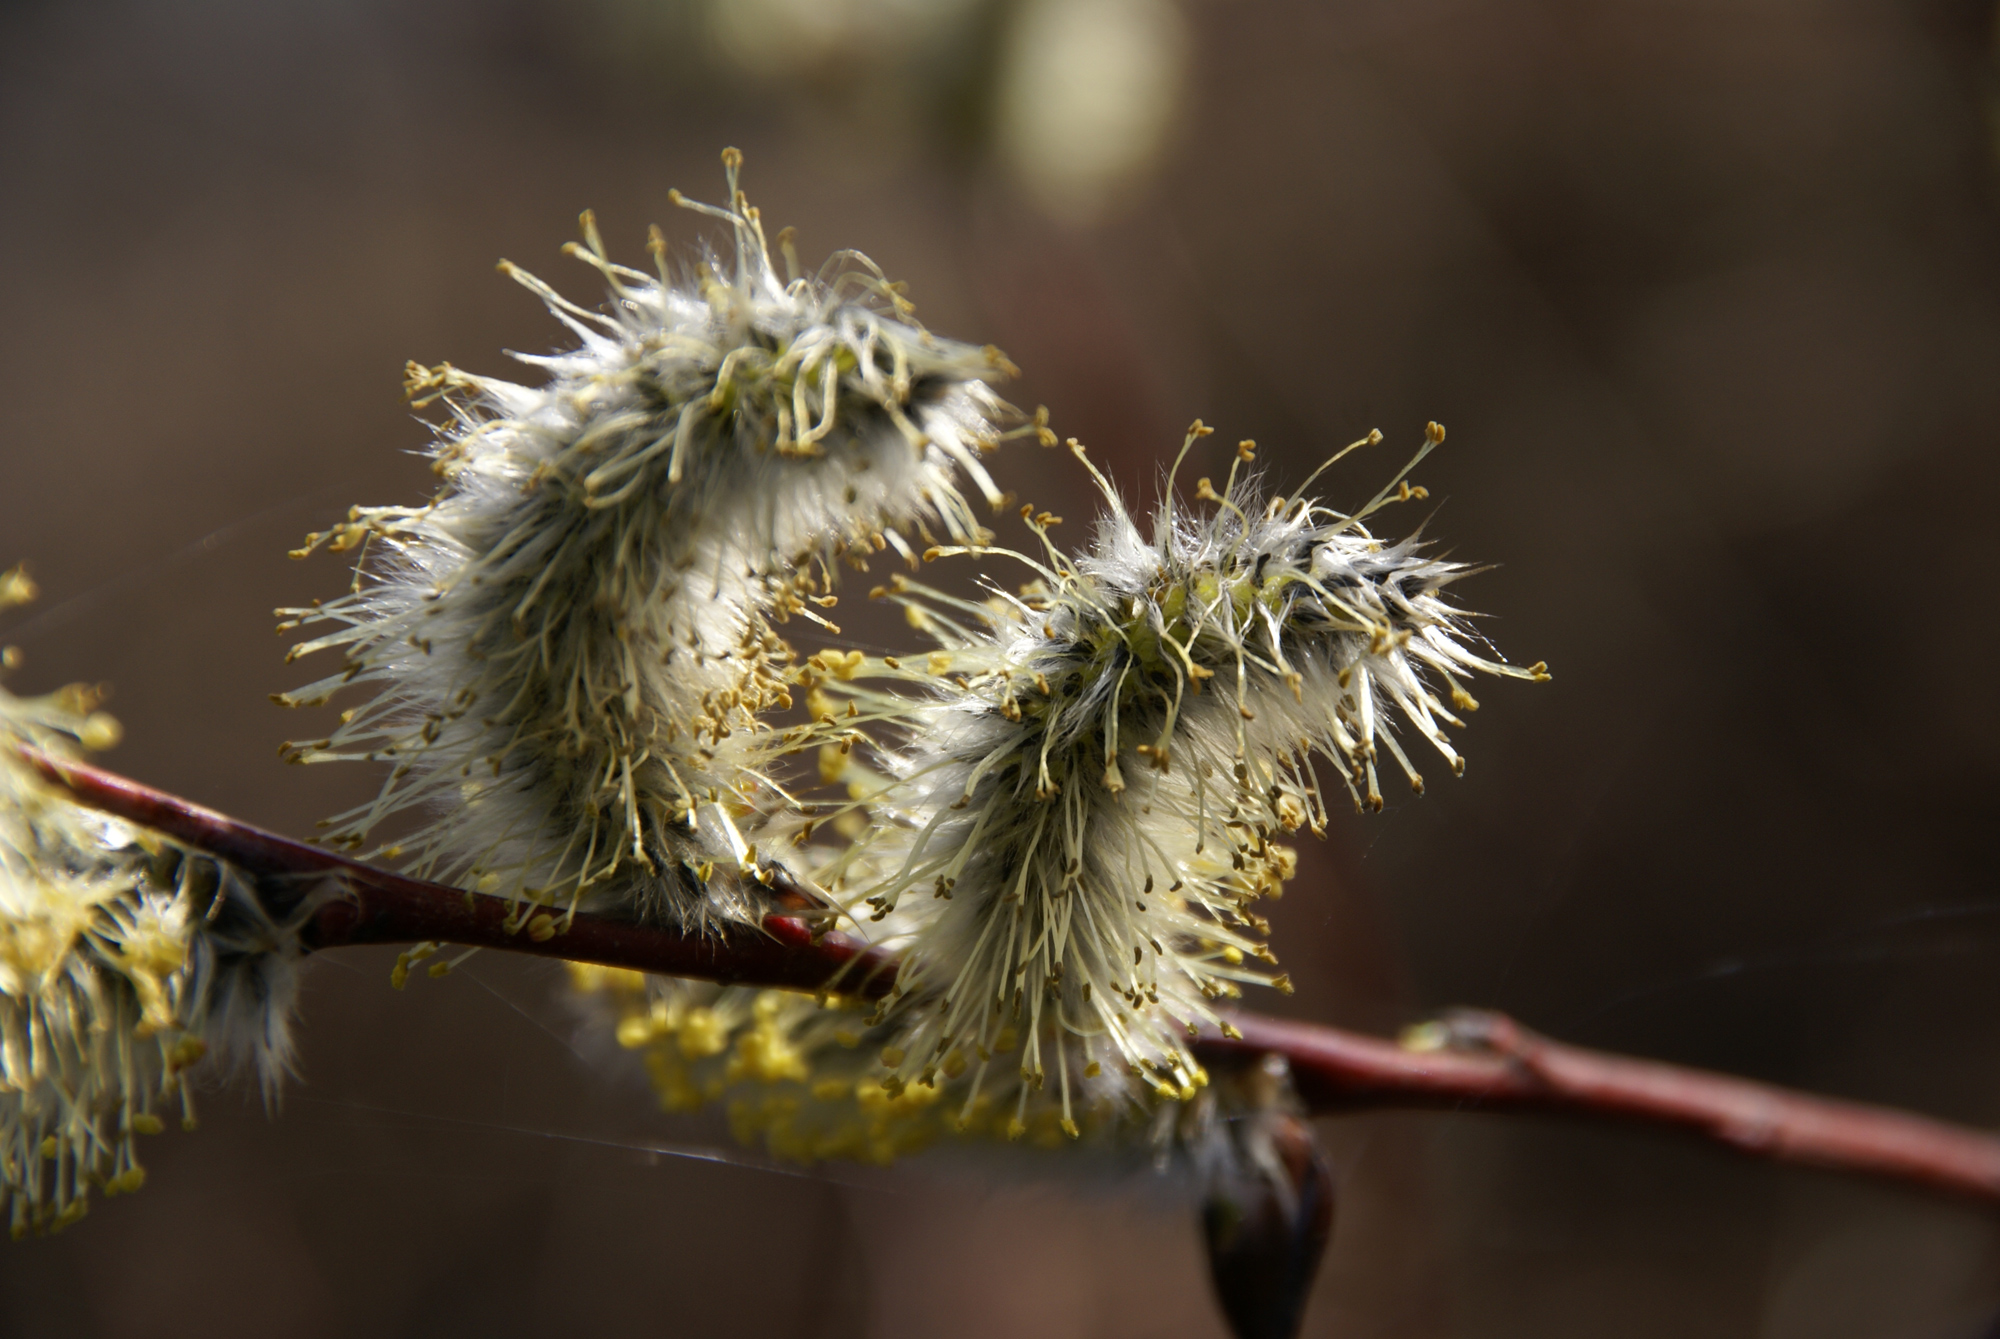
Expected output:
(1095, 773)
(123, 960)
(570, 650)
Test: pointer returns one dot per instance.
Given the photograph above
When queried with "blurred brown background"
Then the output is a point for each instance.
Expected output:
(1708, 295)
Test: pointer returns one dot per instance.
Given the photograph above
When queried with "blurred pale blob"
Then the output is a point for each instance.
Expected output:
(1080, 96)
(1086, 98)
(779, 38)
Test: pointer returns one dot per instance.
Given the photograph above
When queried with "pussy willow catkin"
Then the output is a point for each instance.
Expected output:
(123, 960)
(571, 649)
(804, 1078)
(1090, 781)
(1096, 771)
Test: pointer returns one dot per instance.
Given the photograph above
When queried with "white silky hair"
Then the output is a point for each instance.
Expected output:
(1093, 773)
(123, 961)
(572, 648)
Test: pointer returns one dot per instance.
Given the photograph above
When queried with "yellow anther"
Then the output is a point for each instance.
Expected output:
(16, 588)
(100, 731)
(1425, 1037)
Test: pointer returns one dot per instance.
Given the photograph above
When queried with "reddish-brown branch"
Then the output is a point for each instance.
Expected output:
(374, 906)
(1492, 1063)
(1487, 1062)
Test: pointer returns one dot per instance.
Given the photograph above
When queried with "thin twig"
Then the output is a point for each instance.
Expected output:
(1489, 1062)
(1472, 1061)
(374, 906)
